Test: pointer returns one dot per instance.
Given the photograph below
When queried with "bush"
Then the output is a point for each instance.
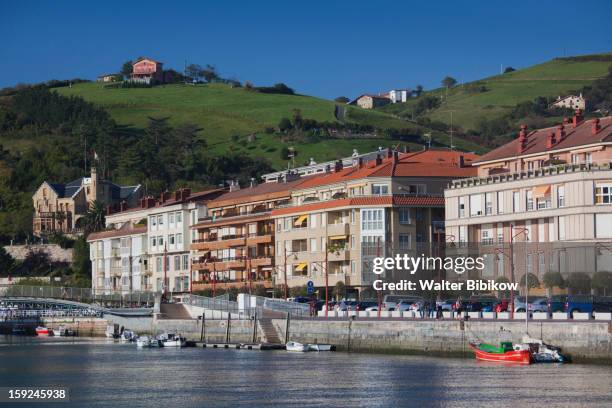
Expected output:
(532, 280)
(553, 279)
(285, 125)
(579, 282)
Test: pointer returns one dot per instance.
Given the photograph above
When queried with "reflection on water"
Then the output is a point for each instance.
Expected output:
(100, 373)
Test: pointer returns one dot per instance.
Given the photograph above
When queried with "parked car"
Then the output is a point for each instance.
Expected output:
(501, 306)
(347, 305)
(390, 301)
(404, 305)
(367, 304)
(587, 304)
(556, 303)
(535, 304)
(446, 305)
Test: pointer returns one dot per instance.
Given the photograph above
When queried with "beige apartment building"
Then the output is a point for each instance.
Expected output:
(339, 221)
(550, 188)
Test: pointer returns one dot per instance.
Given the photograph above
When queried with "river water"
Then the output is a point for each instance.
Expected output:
(102, 373)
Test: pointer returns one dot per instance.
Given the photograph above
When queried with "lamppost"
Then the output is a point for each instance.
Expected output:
(511, 259)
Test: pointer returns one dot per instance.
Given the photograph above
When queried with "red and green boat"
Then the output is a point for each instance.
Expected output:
(504, 353)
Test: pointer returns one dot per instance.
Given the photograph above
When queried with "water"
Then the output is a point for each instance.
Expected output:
(101, 373)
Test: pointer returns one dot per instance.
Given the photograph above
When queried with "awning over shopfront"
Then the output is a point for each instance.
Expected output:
(337, 237)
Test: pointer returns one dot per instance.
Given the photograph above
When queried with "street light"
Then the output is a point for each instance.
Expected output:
(511, 258)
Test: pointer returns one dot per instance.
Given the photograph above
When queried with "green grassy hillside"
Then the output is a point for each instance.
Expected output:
(227, 115)
(503, 92)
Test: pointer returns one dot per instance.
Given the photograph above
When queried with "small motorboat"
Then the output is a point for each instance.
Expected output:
(63, 331)
(295, 346)
(43, 331)
(143, 341)
(128, 336)
(544, 353)
(174, 340)
(505, 353)
(321, 347)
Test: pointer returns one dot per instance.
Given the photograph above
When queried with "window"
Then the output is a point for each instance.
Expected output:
(476, 205)
(529, 200)
(500, 264)
(153, 242)
(313, 245)
(158, 264)
(153, 221)
(380, 189)
(541, 263)
(353, 267)
(462, 235)
(179, 239)
(588, 158)
(461, 207)
(179, 218)
(603, 225)
(603, 194)
(372, 219)
(575, 158)
(561, 196)
(353, 242)
(487, 237)
(488, 203)
(185, 262)
(543, 202)
(313, 220)
(171, 219)
(160, 241)
(405, 241)
(353, 216)
(177, 262)
(529, 264)
(516, 201)
(160, 220)
(171, 239)
(500, 233)
(561, 221)
(404, 216)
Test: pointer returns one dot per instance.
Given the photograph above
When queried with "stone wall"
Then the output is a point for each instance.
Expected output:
(584, 341)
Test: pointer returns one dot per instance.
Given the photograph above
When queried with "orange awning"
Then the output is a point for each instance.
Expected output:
(541, 191)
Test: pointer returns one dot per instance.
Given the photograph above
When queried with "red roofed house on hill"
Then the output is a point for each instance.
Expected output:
(551, 185)
(147, 70)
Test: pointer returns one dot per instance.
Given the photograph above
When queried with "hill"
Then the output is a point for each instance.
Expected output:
(498, 95)
(228, 115)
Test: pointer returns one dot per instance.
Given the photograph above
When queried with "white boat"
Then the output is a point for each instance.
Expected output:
(128, 336)
(63, 331)
(542, 352)
(143, 341)
(295, 346)
(320, 347)
(173, 340)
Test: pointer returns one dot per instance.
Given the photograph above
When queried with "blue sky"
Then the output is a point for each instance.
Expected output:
(323, 48)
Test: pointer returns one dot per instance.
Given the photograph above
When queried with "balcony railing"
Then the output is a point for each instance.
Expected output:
(541, 172)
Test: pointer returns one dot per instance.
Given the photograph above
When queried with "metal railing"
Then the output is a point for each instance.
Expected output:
(220, 304)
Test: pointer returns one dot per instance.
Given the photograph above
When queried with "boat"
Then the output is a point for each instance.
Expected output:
(174, 340)
(43, 331)
(295, 346)
(321, 347)
(128, 336)
(63, 331)
(544, 353)
(143, 341)
(505, 353)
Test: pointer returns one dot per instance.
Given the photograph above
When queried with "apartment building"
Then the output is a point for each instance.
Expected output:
(234, 243)
(549, 188)
(147, 247)
(339, 221)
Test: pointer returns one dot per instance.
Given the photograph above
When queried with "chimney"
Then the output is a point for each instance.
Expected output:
(560, 133)
(185, 193)
(577, 117)
(177, 195)
(565, 121)
(253, 182)
(360, 163)
(338, 166)
(142, 202)
(378, 160)
(123, 206)
(395, 156)
(522, 139)
(389, 153)
(595, 127)
(461, 161)
(234, 186)
(149, 202)
(550, 140)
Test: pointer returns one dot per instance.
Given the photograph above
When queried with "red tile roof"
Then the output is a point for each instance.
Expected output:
(536, 140)
(260, 192)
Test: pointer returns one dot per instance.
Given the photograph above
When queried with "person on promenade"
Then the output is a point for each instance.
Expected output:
(458, 306)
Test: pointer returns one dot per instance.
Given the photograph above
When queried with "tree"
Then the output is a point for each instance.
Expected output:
(503, 293)
(285, 153)
(95, 217)
(6, 262)
(210, 73)
(80, 260)
(449, 82)
(127, 68)
(418, 90)
(508, 70)
(339, 290)
(532, 280)
(553, 279)
(578, 282)
(194, 71)
(298, 122)
(284, 125)
(342, 99)
(602, 280)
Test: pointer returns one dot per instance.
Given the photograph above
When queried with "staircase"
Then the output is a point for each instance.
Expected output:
(269, 332)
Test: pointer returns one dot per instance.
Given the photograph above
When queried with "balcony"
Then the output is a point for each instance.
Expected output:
(115, 271)
(228, 285)
(338, 229)
(530, 174)
(226, 241)
(254, 239)
(261, 261)
(115, 252)
(339, 255)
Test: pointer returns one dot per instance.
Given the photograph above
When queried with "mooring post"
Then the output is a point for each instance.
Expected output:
(254, 328)
(287, 329)
(227, 329)
(202, 328)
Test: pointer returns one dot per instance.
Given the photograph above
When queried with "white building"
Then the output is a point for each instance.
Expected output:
(570, 102)
(399, 95)
(147, 247)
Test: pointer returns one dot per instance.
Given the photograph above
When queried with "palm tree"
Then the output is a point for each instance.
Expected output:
(95, 217)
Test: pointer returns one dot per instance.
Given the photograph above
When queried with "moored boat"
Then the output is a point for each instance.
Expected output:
(295, 346)
(505, 353)
(321, 347)
(173, 340)
(143, 341)
(544, 353)
(43, 331)
(128, 336)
